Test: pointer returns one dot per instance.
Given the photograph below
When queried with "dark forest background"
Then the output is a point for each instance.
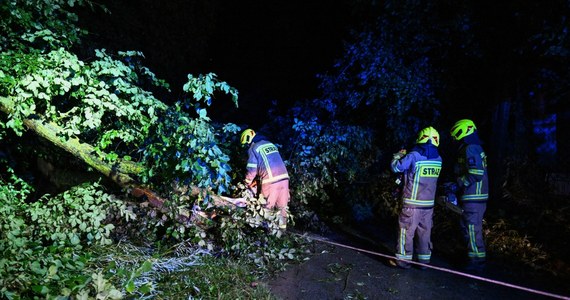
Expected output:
(504, 65)
(270, 51)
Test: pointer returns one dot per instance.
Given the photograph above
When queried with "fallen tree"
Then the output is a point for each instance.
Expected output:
(122, 172)
(100, 107)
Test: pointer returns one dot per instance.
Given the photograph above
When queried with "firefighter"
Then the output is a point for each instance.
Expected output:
(473, 188)
(265, 165)
(421, 168)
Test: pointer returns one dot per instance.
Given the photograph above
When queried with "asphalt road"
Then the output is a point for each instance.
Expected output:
(360, 269)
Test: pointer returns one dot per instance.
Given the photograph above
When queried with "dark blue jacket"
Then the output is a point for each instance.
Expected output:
(471, 170)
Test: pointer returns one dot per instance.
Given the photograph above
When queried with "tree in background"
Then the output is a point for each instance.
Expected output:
(388, 85)
(426, 64)
(522, 72)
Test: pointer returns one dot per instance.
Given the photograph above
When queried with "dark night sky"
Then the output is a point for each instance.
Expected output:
(272, 50)
(268, 50)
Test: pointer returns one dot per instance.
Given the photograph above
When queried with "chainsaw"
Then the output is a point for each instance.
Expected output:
(444, 201)
(449, 199)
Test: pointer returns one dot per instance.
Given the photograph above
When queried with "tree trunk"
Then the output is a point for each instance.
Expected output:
(121, 171)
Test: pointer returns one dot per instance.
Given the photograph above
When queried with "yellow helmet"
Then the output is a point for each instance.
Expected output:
(428, 134)
(462, 128)
(247, 136)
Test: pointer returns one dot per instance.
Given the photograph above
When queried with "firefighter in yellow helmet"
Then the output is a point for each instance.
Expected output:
(472, 185)
(265, 163)
(421, 168)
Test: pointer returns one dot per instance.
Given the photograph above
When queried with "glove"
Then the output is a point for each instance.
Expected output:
(453, 187)
(451, 198)
(399, 154)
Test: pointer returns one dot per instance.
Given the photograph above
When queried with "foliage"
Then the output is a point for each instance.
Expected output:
(117, 271)
(385, 87)
(79, 214)
(389, 74)
(523, 227)
(539, 214)
(254, 234)
(373, 74)
(98, 102)
(185, 149)
(195, 272)
(38, 22)
(324, 150)
(104, 102)
(181, 220)
(225, 278)
(12, 212)
(329, 162)
(502, 238)
(31, 265)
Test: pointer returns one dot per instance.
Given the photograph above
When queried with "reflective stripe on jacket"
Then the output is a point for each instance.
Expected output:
(264, 160)
(420, 178)
(471, 169)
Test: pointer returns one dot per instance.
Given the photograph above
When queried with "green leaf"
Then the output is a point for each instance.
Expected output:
(75, 240)
(52, 270)
(145, 288)
(146, 267)
(36, 268)
(130, 286)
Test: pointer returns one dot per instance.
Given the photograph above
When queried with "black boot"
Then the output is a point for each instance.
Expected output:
(475, 266)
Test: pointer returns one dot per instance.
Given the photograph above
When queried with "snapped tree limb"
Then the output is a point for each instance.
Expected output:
(121, 171)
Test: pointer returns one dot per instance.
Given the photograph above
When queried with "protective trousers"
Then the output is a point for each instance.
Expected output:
(472, 226)
(415, 222)
(277, 195)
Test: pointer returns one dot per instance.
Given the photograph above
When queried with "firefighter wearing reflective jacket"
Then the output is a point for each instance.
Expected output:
(472, 184)
(421, 168)
(265, 163)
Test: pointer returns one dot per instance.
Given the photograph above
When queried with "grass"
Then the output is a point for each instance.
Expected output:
(185, 272)
(214, 278)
